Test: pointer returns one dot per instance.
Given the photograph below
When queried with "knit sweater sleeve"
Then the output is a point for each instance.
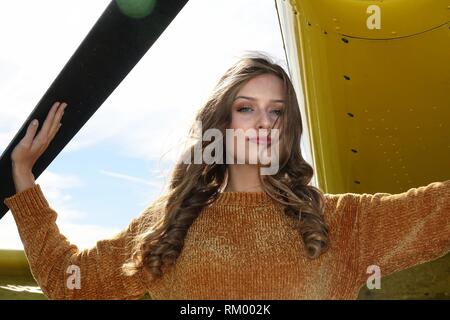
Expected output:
(59, 267)
(398, 231)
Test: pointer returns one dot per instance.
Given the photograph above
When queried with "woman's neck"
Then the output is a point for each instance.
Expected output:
(243, 178)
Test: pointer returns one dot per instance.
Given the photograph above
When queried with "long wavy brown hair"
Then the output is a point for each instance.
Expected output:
(191, 187)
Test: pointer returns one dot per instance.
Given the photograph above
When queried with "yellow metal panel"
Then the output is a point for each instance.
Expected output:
(378, 109)
(399, 18)
(16, 280)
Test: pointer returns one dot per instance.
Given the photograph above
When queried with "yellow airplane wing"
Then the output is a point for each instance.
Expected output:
(16, 280)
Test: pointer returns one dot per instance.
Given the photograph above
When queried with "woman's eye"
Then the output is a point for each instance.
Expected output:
(277, 112)
(244, 109)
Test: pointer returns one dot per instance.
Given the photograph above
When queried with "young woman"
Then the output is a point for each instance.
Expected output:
(226, 231)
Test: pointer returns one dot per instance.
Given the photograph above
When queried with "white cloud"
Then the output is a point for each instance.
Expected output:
(57, 192)
(130, 178)
(84, 236)
(9, 237)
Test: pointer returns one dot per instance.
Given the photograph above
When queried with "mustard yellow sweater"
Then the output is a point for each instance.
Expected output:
(244, 247)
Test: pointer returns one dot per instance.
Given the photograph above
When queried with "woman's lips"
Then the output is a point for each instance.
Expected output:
(260, 140)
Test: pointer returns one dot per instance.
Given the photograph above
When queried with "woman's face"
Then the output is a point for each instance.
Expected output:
(258, 105)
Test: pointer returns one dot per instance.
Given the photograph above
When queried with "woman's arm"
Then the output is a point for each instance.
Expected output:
(397, 231)
(56, 263)
(61, 270)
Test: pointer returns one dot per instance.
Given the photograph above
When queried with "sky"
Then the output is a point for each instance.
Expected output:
(119, 161)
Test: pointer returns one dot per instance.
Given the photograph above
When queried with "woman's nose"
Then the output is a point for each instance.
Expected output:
(264, 121)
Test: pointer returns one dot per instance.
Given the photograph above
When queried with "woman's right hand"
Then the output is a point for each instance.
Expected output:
(30, 148)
